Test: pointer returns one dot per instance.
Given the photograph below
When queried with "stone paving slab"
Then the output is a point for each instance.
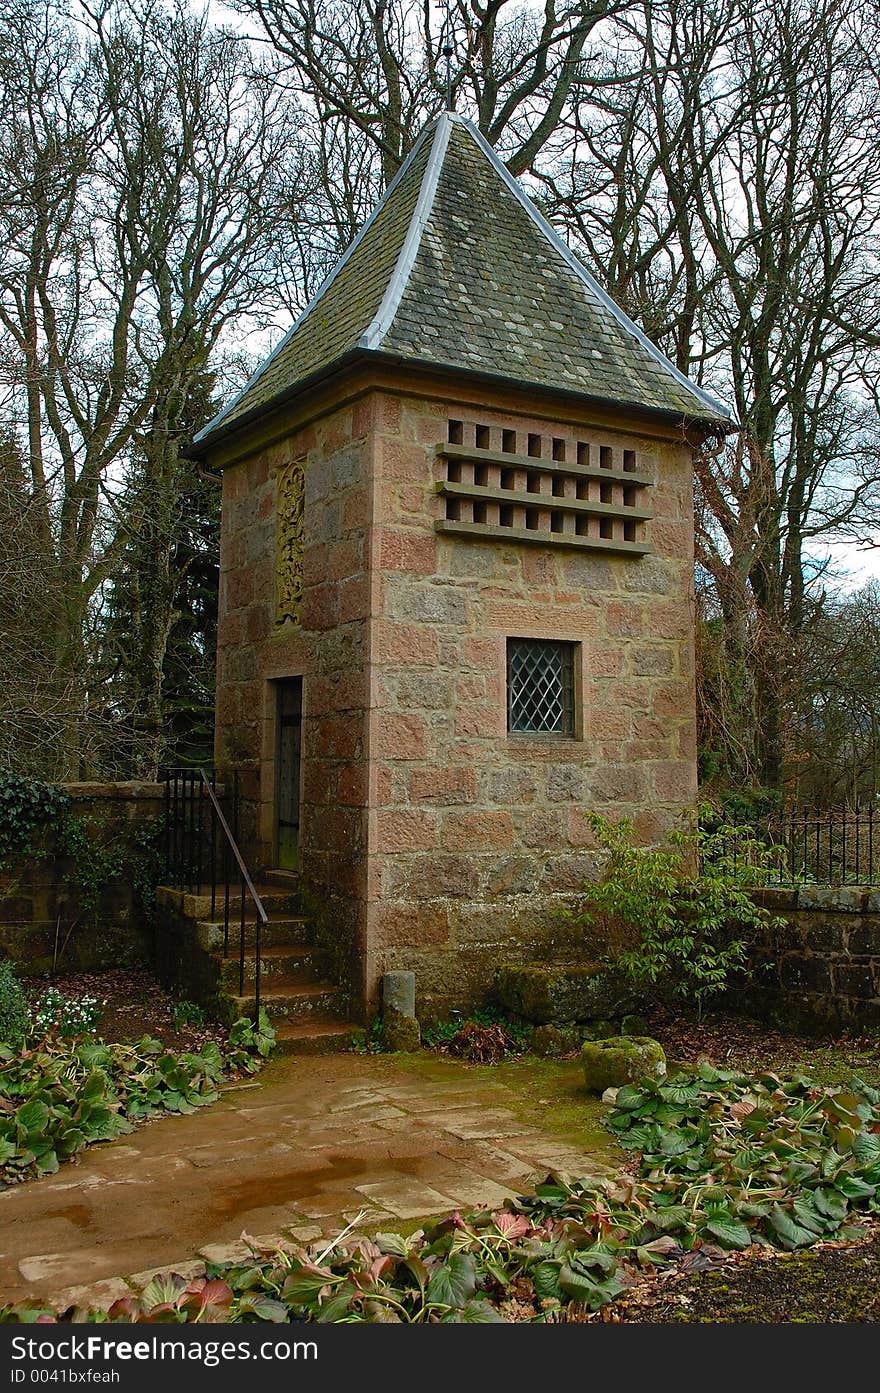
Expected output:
(316, 1144)
(406, 1198)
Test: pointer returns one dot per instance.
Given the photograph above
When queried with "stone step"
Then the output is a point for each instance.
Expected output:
(292, 1001)
(317, 1036)
(283, 930)
(285, 879)
(197, 905)
(297, 963)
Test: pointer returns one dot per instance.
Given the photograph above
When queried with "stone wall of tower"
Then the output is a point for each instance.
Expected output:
(430, 838)
(477, 838)
(326, 644)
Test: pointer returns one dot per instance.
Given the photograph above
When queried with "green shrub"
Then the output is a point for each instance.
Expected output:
(370, 1040)
(686, 903)
(187, 1013)
(14, 1013)
(91, 855)
(439, 1035)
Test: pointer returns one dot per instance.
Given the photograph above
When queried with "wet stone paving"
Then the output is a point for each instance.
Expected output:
(310, 1146)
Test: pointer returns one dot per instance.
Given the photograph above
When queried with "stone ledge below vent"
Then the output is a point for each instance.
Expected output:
(494, 532)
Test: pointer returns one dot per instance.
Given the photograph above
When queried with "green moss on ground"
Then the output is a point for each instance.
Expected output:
(545, 1093)
(840, 1285)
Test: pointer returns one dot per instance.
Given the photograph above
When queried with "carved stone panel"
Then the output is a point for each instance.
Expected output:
(289, 534)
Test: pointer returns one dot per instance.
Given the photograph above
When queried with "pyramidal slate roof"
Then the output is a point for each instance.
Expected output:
(456, 268)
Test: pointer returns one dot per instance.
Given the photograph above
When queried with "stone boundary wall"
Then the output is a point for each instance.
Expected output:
(40, 908)
(821, 969)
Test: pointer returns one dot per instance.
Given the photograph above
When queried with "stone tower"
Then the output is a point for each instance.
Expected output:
(456, 581)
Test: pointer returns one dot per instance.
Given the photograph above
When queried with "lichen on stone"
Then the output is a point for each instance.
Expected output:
(553, 994)
(621, 1059)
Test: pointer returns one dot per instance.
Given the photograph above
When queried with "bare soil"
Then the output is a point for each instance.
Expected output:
(837, 1283)
(735, 1042)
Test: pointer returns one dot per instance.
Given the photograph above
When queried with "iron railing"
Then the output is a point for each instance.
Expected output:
(199, 842)
(831, 846)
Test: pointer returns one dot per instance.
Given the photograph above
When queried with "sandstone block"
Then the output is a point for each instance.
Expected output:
(565, 783)
(443, 785)
(553, 995)
(406, 643)
(554, 1041)
(614, 1062)
(410, 926)
(407, 830)
(434, 876)
(476, 831)
(433, 604)
(401, 737)
(409, 550)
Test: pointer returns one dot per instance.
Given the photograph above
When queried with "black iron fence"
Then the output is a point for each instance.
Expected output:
(202, 857)
(812, 846)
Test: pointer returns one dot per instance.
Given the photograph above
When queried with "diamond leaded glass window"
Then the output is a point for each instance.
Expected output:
(540, 686)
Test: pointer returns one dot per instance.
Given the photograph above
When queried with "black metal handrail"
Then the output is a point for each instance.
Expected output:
(191, 847)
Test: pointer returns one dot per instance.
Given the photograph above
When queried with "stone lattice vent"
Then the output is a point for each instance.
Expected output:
(529, 487)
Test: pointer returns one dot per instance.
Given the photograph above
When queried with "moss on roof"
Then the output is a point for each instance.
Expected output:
(457, 269)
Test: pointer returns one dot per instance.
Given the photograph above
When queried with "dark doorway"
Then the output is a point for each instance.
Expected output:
(287, 768)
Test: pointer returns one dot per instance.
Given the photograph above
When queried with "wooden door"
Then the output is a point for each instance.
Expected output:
(287, 771)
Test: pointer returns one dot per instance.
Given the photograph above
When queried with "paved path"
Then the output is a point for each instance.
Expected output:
(310, 1145)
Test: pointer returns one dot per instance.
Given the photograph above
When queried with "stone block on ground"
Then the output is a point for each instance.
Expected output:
(601, 1030)
(399, 993)
(94, 1297)
(189, 1268)
(553, 1041)
(550, 994)
(633, 1025)
(622, 1059)
(400, 1032)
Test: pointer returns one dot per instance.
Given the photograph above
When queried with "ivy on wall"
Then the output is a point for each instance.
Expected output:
(27, 807)
(37, 823)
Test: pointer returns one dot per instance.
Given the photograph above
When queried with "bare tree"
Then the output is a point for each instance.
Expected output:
(722, 179)
(150, 171)
(372, 74)
(834, 741)
(712, 160)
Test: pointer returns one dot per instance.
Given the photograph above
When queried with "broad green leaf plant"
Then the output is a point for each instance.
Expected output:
(59, 1095)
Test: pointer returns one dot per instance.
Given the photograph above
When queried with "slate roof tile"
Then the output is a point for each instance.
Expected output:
(456, 268)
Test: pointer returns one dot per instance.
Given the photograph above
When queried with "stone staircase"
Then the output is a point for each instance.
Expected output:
(307, 1011)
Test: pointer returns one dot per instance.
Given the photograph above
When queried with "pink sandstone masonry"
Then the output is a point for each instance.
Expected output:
(431, 838)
